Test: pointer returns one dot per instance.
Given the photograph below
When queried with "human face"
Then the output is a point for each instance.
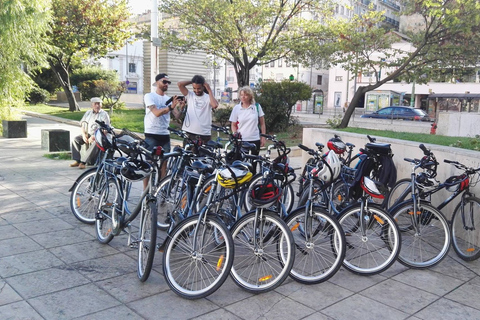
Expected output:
(163, 83)
(198, 89)
(96, 106)
(245, 98)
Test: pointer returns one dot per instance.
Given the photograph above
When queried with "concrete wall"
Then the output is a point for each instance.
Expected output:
(458, 124)
(405, 149)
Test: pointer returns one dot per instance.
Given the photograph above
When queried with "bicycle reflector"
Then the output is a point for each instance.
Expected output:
(158, 151)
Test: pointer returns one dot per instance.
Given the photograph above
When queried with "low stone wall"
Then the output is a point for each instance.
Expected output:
(405, 149)
(458, 124)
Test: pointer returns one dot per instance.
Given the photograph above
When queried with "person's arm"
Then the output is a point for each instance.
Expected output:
(177, 107)
(234, 126)
(182, 85)
(158, 112)
(213, 101)
(263, 129)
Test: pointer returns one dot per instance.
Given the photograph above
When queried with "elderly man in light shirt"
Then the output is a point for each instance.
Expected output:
(87, 138)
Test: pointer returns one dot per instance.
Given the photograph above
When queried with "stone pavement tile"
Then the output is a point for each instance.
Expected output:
(228, 293)
(44, 226)
(218, 314)
(15, 204)
(270, 305)
(9, 231)
(18, 245)
(106, 267)
(446, 309)
(430, 281)
(82, 251)
(73, 303)
(19, 311)
(453, 268)
(28, 262)
(128, 288)
(60, 211)
(401, 296)
(117, 312)
(51, 198)
(7, 294)
(61, 238)
(354, 282)
(46, 281)
(26, 213)
(468, 294)
(170, 306)
(318, 316)
(3, 222)
(317, 296)
(361, 308)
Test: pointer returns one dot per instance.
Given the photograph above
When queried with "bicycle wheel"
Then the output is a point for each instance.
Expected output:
(194, 273)
(168, 196)
(147, 240)
(288, 197)
(401, 191)
(466, 229)
(426, 240)
(108, 201)
(373, 245)
(84, 196)
(320, 197)
(319, 245)
(264, 251)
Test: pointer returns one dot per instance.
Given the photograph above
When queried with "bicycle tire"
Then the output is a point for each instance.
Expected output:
(428, 243)
(168, 196)
(263, 268)
(319, 258)
(147, 240)
(320, 198)
(84, 196)
(400, 192)
(378, 249)
(108, 201)
(466, 233)
(180, 262)
(288, 197)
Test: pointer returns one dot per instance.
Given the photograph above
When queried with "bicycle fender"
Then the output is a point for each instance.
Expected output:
(88, 171)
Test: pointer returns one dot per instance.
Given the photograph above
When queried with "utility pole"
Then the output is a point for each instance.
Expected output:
(153, 47)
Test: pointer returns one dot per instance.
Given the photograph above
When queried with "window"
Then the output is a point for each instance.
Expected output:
(279, 62)
(132, 68)
(287, 64)
(272, 64)
(319, 80)
(338, 78)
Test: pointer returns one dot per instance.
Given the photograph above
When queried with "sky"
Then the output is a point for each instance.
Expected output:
(140, 6)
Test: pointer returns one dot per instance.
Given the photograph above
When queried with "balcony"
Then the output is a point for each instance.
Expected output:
(390, 4)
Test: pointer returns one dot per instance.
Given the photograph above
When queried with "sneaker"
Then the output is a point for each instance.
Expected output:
(81, 166)
(75, 164)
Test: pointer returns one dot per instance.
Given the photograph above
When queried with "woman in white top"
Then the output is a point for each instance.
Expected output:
(247, 117)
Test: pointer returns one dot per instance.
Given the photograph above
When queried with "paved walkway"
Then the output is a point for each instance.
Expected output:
(52, 267)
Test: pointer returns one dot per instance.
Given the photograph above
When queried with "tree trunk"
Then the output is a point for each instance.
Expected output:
(243, 76)
(351, 107)
(63, 78)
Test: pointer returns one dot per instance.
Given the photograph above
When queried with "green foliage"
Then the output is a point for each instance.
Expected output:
(277, 100)
(222, 115)
(45, 79)
(38, 95)
(23, 27)
(87, 89)
(92, 73)
(335, 121)
(110, 92)
(58, 156)
(245, 33)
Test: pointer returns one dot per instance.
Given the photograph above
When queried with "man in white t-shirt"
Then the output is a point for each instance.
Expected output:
(200, 103)
(157, 114)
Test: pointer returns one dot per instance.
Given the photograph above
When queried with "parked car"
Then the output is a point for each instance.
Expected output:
(399, 113)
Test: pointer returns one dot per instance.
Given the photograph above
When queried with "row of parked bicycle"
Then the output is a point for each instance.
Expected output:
(226, 211)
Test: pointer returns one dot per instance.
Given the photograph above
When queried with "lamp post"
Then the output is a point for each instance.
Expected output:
(412, 96)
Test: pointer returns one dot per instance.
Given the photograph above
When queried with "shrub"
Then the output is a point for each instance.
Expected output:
(87, 88)
(38, 95)
(335, 121)
(222, 115)
(92, 73)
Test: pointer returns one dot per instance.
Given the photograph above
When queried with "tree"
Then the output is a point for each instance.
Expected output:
(83, 28)
(23, 26)
(446, 35)
(277, 100)
(243, 32)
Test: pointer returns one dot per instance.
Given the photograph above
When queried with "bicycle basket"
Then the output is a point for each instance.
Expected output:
(135, 170)
(457, 183)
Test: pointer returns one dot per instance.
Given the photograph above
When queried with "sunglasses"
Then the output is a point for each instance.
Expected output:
(166, 82)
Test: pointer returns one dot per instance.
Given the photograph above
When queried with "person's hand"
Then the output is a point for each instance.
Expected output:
(207, 86)
(91, 139)
(85, 138)
(262, 141)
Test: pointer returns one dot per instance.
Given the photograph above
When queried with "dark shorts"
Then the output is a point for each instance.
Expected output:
(154, 140)
(193, 136)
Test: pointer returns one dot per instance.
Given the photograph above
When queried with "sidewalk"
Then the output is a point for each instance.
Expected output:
(52, 267)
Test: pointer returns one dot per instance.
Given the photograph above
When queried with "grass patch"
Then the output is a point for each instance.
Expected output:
(58, 156)
(459, 142)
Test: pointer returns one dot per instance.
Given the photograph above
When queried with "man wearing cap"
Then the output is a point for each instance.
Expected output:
(87, 138)
(157, 113)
